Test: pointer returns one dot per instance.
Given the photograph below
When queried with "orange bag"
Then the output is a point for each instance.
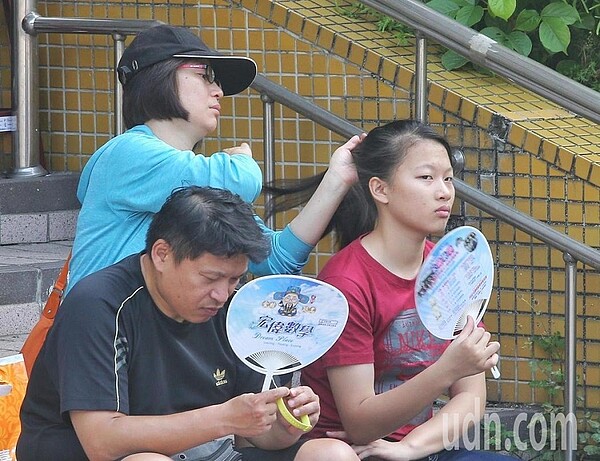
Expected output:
(13, 383)
(37, 336)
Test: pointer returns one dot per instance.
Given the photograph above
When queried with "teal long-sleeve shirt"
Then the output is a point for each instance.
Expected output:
(129, 178)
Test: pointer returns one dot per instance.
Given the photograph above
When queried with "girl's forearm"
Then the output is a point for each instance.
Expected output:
(314, 217)
(384, 413)
(448, 425)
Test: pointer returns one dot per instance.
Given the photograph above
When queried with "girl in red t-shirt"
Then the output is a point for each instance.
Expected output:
(377, 384)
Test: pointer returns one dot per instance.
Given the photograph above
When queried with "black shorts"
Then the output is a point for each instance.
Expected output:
(258, 454)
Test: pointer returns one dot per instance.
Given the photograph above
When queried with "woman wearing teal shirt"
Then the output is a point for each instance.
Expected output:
(172, 85)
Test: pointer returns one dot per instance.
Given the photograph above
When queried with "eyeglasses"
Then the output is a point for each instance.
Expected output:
(208, 74)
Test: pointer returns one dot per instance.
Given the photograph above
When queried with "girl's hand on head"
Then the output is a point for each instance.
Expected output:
(243, 148)
(341, 163)
(471, 352)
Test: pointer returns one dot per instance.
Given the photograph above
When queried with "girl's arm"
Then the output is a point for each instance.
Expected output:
(291, 247)
(367, 416)
(464, 409)
(314, 217)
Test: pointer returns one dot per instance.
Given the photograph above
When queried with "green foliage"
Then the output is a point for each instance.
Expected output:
(552, 380)
(590, 439)
(496, 443)
(384, 23)
(585, 67)
(516, 24)
(550, 368)
(561, 34)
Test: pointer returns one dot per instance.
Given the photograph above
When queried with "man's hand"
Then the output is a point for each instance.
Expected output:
(301, 401)
(243, 148)
(251, 415)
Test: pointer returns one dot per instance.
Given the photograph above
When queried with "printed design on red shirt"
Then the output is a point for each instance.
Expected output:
(409, 348)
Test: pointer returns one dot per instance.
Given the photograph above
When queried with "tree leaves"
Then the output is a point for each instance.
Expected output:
(555, 20)
(555, 35)
(502, 8)
(511, 24)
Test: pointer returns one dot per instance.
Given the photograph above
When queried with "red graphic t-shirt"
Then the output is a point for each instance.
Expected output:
(383, 329)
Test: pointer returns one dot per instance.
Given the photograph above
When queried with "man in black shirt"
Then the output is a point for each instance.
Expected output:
(137, 365)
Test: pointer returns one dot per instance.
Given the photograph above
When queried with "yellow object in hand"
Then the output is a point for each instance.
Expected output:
(303, 423)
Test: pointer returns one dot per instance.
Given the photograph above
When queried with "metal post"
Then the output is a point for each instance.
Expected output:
(118, 101)
(269, 143)
(570, 444)
(26, 137)
(27, 24)
(421, 78)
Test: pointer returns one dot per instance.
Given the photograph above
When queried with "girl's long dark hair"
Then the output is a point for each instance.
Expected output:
(378, 155)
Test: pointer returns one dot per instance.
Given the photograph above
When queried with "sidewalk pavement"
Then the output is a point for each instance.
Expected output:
(11, 344)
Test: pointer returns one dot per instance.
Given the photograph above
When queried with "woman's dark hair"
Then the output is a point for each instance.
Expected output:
(378, 155)
(152, 94)
(196, 220)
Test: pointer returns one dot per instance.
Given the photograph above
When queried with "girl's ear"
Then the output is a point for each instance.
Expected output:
(379, 189)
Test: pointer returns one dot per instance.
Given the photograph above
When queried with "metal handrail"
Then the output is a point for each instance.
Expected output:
(27, 24)
(119, 29)
(488, 53)
(480, 200)
(304, 107)
(34, 24)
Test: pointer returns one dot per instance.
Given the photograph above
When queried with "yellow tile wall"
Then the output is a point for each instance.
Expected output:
(518, 147)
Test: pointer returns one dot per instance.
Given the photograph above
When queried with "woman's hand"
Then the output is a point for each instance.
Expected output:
(243, 148)
(470, 353)
(380, 449)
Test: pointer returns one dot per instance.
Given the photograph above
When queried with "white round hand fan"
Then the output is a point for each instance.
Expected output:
(455, 281)
(280, 323)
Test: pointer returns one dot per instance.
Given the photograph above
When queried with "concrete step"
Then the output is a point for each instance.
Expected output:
(11, 344)
(27, 274)
(37, 225)
(41, 209)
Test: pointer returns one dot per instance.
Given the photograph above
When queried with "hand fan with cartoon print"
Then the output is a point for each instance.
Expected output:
(278, 324)
(455, 281)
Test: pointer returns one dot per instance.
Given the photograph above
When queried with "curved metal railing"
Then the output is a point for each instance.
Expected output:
(26, 25)
(488, 53)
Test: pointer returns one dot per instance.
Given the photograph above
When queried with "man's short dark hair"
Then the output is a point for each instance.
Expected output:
(152, 94)
(196, 220)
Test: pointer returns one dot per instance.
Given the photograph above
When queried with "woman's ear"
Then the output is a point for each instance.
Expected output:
(379, 189)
